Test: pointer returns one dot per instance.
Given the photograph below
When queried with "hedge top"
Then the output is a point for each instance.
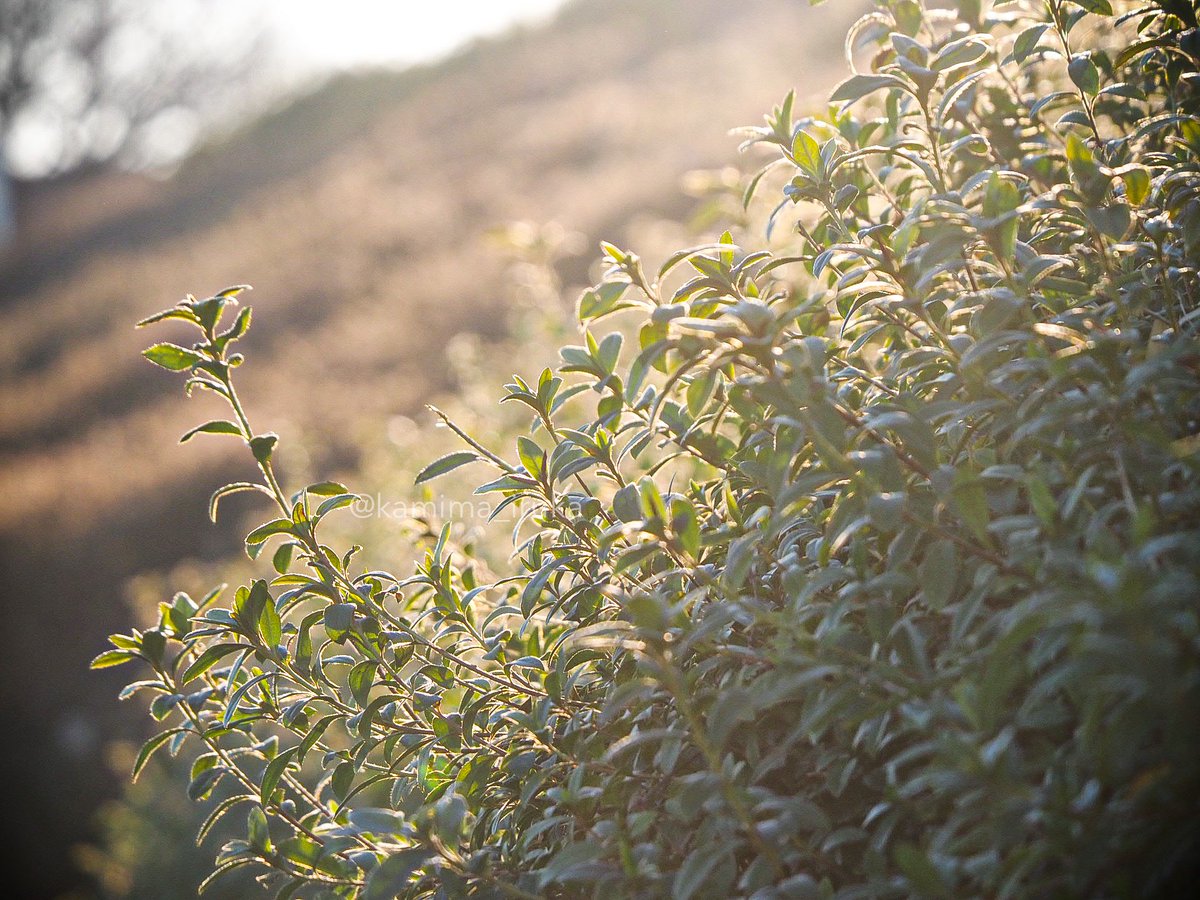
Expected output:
(865, 565)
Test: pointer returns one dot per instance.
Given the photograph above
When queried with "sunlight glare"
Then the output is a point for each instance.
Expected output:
(320, 35)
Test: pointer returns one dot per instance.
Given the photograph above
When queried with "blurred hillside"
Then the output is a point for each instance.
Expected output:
(360, 214)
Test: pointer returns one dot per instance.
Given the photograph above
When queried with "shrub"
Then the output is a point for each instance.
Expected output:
(874, 572)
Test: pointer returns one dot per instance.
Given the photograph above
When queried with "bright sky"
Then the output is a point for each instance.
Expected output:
(322, 34)
(308, 38)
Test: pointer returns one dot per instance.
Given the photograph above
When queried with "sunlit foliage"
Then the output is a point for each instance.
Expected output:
(870, 570)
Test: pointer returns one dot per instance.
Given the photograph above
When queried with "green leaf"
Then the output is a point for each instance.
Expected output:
(1027, 41)
(970, 502)
(1001, 196)
(218, 812)
(361, 679)
(172, 357)
(938, 573)
(390, 878)
(327, 489)
(341, 501)
(148, 749)
(807, 154)
(303, 648)
(1137, 48)
(339, 619)
(959, 53)
(1084, 170)
(240, 326)
(281, 561)
(1099, 7)
(223, 868)
(683, 255)
(1045, 507)
(269, 625)
(920, 872)
(686, 526)
(175, 312)
(209, 658)
(738, 561)
(886, 510)
(536, 586)
(110, 658)
(1111, 219)
(1073, 117)
(528, 662)
(270, 529)
(1000, 201)
(732, 707)
(1084, 73)
(652, 499)
(635, 556)
(909, 16)
(444, 464)
(342, 780)
(154, 643)
(274, 771)
(235, 699)
(602, 300)
(248, 604)
(693, 873)
(235, 488)
(203, 783)
(217, 426)
(570, 861)
(162, 705)
(699, 392)
(315, 733)
(609, 351)
(257, 830)
(1137, 183)
(533, 457)
(627, 504)
(858, 86)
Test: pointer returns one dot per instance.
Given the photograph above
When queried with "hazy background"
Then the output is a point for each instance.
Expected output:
(153, 149)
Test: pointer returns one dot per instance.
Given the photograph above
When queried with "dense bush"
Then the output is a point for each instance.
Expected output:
(874, 572)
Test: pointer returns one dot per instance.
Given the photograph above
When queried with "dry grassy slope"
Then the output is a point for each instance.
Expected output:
(360, 215)
(367, 260)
